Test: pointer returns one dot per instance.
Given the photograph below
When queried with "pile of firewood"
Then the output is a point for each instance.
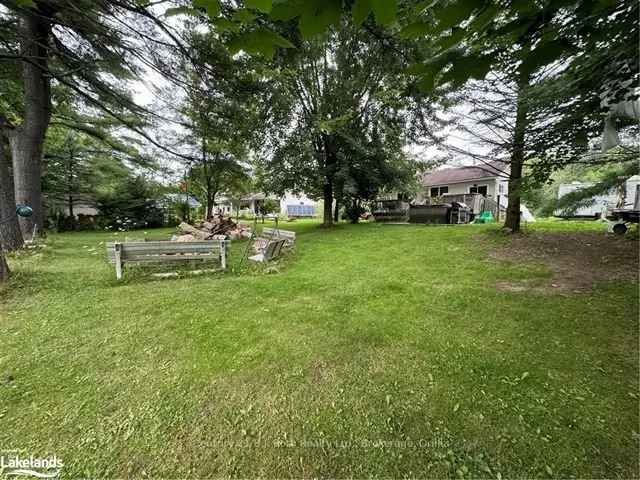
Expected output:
(217, 228)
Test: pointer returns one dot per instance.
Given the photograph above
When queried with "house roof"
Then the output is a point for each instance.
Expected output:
(465, 174)
(180, 198)
(254, 196)
(260, 196)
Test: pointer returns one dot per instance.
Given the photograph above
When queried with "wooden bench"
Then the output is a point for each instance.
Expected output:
(270, 251)
(136, 253)
(273, 234)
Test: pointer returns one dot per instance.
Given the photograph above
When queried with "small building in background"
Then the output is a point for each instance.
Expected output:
(174, 207)
(223, 206)
(75, 212)
(288, 206)
(169, 199)
(299, 206)
(64, 207)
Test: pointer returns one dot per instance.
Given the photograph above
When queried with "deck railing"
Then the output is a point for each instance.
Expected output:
(492, 206)
(476, 202)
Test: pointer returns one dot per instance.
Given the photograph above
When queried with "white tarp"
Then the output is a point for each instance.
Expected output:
(526, 215)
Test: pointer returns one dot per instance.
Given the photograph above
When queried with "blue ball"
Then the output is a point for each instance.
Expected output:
(24, 211)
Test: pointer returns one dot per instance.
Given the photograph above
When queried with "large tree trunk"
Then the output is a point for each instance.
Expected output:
(70, 191)
(4, 268)
(336, 212)
(512, 221)
(72, 215)
(355, 206)
(327, 216)
(10, 235)
(329, 172)
(27, 140)
(211, 203)
(209, 213)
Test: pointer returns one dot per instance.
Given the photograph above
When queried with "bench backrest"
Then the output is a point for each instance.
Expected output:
(289, 236)
(274, 248)
(164, 251)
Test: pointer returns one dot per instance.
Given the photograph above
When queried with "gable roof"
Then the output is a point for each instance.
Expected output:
(465, 174)
(180, 198)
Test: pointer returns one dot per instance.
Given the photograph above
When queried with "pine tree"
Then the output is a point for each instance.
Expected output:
(36, 39)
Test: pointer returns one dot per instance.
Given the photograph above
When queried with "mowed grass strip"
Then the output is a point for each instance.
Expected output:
(371, 351)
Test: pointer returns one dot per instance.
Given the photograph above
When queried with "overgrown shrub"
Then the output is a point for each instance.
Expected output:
(131, 205)
(353, 211)
(270, 206)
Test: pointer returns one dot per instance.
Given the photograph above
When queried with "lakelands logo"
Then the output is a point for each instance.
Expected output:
(14, 465)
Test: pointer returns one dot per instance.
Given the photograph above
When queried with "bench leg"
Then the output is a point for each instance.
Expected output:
(223, 254)
(118, 255)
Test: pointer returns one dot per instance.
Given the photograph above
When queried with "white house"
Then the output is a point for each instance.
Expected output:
(490, 180)
(175, 198)
(290, 205)
(299, 206)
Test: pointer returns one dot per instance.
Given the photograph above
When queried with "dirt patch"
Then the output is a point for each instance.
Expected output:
(578, 260)
(321, 371)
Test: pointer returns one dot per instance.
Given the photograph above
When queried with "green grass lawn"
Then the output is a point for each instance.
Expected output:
(372, 351)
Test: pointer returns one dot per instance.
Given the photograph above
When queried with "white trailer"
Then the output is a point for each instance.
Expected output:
(601, 203)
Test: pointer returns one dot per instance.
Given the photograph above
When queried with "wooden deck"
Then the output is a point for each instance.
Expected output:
(476, 202)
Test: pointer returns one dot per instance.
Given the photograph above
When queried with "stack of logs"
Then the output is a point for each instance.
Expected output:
(217, 228)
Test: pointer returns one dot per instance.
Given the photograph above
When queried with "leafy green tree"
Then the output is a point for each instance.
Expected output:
(78, 167)
(336, 99)
(369, 166)
(10, 92)
(595, 96)
(250, 33)
(561, 60)
(112, 43)
(597, 40)
(520, 41)
(218, 110)
(133, 203)
(218, 173)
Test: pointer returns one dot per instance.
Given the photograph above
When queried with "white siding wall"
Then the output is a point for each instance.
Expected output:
(80, 209)
(497, 189)
(461, 188)
(302, 199)
(502, 188)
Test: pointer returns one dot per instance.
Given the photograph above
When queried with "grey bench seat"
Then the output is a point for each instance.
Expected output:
(121, 254)
(269, 251)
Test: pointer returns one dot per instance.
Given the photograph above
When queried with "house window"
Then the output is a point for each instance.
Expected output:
(439, 191)
(481, 189)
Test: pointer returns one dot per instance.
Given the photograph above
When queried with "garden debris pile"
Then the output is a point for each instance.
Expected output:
(218, 227)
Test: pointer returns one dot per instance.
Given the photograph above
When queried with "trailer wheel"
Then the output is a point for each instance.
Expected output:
(620, 229)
